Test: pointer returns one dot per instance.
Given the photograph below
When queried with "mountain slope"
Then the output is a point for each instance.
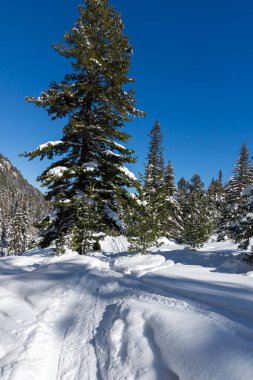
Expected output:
(17, 195)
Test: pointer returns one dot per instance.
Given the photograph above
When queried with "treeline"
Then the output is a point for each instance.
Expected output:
(88, 183)
(188, 212)
(21, 207)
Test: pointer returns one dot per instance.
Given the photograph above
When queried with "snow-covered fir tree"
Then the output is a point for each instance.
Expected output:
(242, 177)
(245, 230)
(171, 213)
(89, 223)
(154, 170)
(197, 224)
(96, 101)
(18, 235)
(216, 196)
(153, 181)
(143, 225)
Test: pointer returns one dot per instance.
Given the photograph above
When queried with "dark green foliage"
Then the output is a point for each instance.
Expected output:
(153, 188)
(60, 244)
(96, 103)
(88, 224)
(143, 225)
(96, 246)
(245, 229)
(193, 200)
(235, 203)
(171, 215)
(18, 235)
(216, 197)
(154, 171)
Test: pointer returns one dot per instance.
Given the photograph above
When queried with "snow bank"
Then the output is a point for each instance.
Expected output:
(80, 317)
(114, 244)
(141, 264)
(172, 341)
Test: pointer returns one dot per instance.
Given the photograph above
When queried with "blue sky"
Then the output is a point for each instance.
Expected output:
(193, 63)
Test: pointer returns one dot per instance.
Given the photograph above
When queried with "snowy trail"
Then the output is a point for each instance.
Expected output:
(105, 318)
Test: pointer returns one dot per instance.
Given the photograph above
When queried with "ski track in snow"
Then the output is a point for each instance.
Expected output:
(112, 318)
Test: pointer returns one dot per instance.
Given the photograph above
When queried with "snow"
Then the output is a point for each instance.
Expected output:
(128, 173)
(95, 61)
(114, 244)
(141, 264)
(171, 314)
(113, 216)
(49, 143)
(111, 153)
(5, 165)
(57, 171)
(119, 146)
(90, 166)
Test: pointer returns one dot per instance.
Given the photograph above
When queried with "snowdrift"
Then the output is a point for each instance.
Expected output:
(172, 314)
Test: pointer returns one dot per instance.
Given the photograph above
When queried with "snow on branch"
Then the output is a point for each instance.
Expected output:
(127, 172)
(113, 216)
(90, 166)
(110, 153)
(49, 144)
(57, 171)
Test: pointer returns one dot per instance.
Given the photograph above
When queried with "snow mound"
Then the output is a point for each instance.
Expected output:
(80, 317)
(141, 264)
(114, 244)
(170, 342)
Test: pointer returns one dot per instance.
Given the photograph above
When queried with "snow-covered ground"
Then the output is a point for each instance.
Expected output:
(174, 314)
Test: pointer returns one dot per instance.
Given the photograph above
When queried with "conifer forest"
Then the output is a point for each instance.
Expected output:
(111, 274)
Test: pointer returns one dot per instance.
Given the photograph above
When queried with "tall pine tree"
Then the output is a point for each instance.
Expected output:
(245, 230)
(216, 197)
(143, 224)
(144, 221)
(196, 218)
(154, 171)
(18, 235)
(242, 177)
(171, 212)
(154, 176)
(96, 103)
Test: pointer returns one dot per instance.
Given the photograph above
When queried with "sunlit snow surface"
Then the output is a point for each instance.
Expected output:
(173, 314)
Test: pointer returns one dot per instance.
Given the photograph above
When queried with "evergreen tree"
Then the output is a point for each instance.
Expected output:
(183, 187)
(216, 197)
(143, 225)
(154, 171)
(96, 103)
(195, 208)
(4, 241)
(60, 244)
(245, 233)
(171, 212)
(153, 188)
(18, 236)
(89, 224)
(245, 230)
(235, 203)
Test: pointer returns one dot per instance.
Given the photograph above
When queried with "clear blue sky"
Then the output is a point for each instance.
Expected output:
(193, 63)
